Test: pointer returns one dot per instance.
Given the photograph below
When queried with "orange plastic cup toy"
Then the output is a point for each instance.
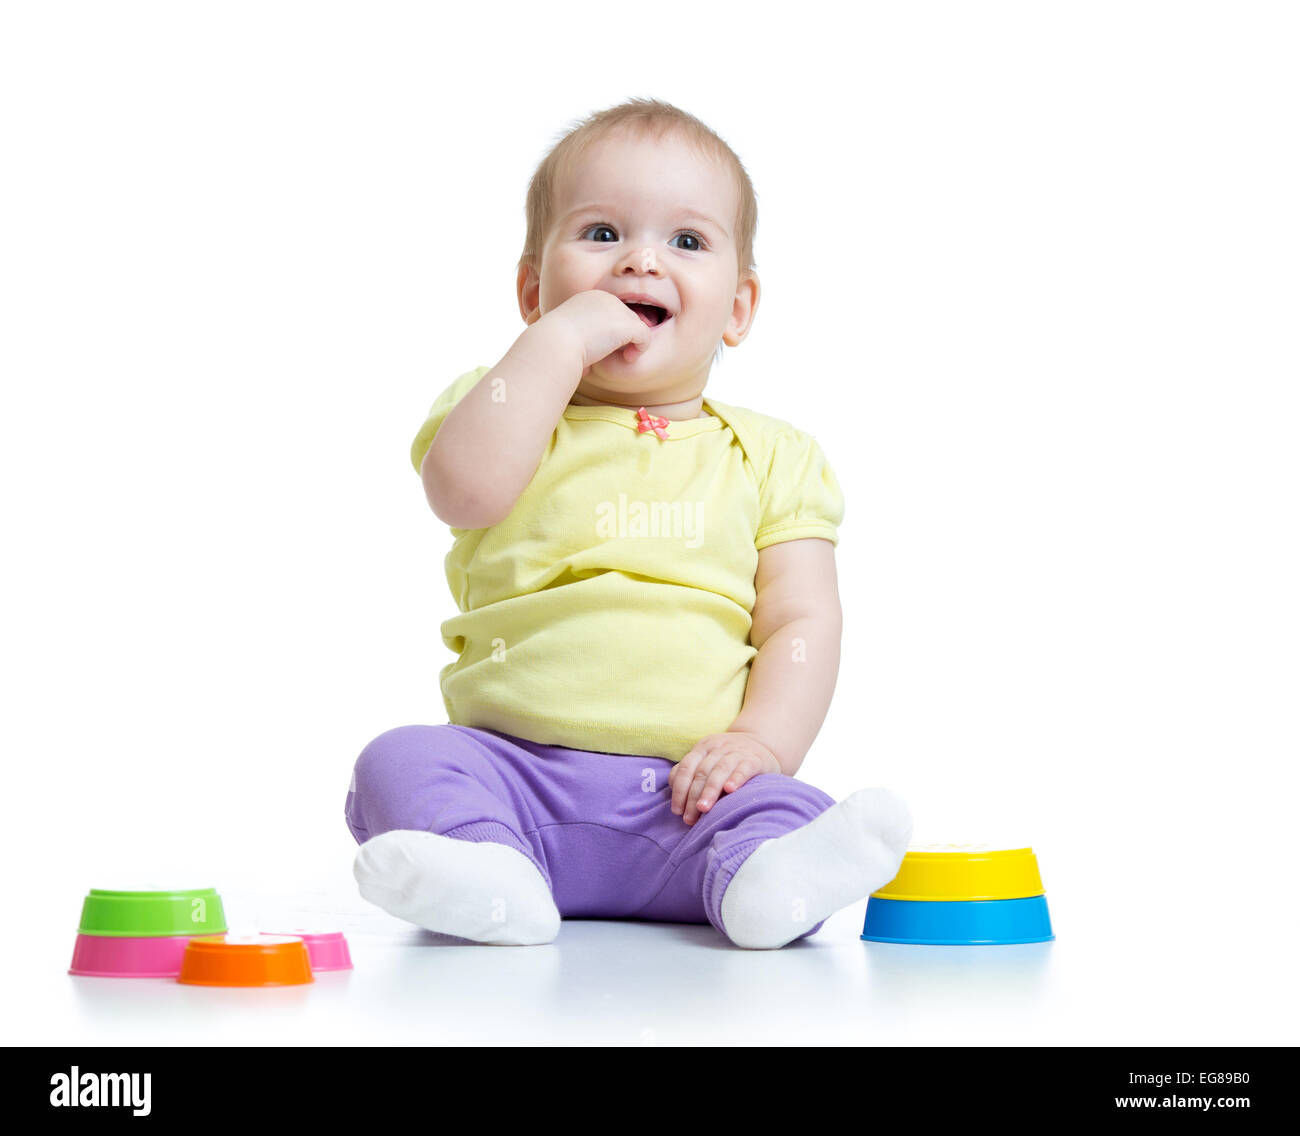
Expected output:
(246, 960)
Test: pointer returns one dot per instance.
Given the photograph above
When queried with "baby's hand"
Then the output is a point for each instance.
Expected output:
(602, 324)
(720, 763)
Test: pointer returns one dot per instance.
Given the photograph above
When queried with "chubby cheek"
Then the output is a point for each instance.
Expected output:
(712, 314)
(565, 284)
(717, 297)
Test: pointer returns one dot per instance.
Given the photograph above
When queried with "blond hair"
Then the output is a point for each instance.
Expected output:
(645, 118)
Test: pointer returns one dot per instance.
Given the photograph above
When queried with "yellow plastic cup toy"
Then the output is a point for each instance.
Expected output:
(964, 872)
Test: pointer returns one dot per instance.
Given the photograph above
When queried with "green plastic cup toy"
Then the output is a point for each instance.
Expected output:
(142, 914)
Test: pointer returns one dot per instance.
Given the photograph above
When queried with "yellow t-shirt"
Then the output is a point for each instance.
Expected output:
(610, 611)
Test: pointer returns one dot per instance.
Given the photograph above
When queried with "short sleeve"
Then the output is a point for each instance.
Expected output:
(799, 496)
(442, 406)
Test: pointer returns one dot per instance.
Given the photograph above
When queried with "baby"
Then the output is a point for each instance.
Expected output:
(649, 627)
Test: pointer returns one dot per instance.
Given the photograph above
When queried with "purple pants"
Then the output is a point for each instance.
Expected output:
(598, 826)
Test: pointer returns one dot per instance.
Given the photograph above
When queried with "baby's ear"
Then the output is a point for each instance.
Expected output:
(528, 286)
(742, 310)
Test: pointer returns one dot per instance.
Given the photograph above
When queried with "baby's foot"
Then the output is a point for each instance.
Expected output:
(792, 882)
(472, 889)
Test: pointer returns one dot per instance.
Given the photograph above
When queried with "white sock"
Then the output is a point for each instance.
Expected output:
(792, 882)
(478, 890)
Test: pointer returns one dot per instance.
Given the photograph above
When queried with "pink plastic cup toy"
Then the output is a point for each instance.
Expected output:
(99, 956)
(328, 950)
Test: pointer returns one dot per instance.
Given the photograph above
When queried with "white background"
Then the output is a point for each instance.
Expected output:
(1029, 276)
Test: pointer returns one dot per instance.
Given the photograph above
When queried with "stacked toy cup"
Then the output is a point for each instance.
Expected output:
(142, 934)
(961, 895)
(277, 958)
(327, 950)
(246, 960)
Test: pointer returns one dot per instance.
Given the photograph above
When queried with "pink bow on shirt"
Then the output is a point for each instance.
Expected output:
(651, 422)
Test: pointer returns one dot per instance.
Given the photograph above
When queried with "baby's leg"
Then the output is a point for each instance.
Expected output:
(441, 833)
(778, 856)
(788, 885)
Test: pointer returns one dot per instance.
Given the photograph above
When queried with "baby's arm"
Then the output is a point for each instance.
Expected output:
(488, 448)
(486, 451)
(796, 626)
(797, 623)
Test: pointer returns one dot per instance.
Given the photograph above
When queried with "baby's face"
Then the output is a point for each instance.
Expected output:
(658, 219)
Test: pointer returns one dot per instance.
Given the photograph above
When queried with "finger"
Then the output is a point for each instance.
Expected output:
(641, 337)
(681, 776)
(744, 769)
(691, 813)
(722, 775)
(639, 342)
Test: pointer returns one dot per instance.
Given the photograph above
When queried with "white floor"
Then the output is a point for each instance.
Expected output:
(1112, 977)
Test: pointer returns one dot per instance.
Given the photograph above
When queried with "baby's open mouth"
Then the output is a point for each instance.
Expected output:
(651, 314)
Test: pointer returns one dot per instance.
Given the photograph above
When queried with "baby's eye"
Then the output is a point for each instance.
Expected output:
(699, 241)
(600, 229)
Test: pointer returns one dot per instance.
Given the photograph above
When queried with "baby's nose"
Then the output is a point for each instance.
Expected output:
(648, 263)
